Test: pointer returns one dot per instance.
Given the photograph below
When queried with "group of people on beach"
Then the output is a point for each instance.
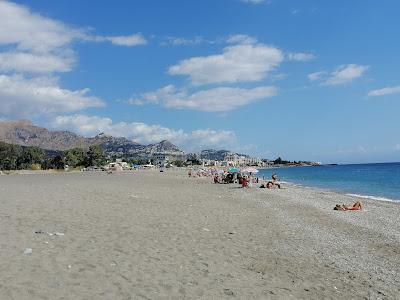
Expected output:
(245, 180)
(273, 183)
(248, 181)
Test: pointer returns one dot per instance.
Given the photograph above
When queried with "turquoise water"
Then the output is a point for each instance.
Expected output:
(377, 181)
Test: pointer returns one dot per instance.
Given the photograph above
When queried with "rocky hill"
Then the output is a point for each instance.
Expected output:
(162, 147)
(24, 133)
(214, 154)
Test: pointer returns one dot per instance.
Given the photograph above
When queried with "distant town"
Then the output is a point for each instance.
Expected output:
(26, 146)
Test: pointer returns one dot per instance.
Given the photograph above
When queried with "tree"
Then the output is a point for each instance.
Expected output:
(9, 155)
(75, 157)
(30, 156)
(57, 162)
(95, 156)
(179, 163)
(15, 157)
(194, 161)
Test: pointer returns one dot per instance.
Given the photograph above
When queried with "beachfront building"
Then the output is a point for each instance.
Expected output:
(163, 159)
(236, 160)
(210, 163)
(118, 165)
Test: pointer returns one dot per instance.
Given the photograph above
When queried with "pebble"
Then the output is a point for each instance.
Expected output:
(28, 251)
(228, 292)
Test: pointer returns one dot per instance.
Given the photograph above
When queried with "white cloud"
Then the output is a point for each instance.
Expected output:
(237, 63)
(241, 39)
(179, 41)
(316, 75)
(22, 97)
(385, 91)
(37, 44)
(346, 74)
(219, 99)
(32, 32)
(301, 56)
(145, 133)
(130, 40)
(35, 63)
(121, 40)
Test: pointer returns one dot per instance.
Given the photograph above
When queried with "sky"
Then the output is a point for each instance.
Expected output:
(304, 80)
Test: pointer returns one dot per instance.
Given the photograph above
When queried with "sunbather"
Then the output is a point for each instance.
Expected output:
(356, 206)
(271, 185)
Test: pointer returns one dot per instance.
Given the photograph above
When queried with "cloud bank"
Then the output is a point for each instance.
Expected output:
(34, 48)
(219, 99)
(237, 63)
(22, 97)
(145, 133)
(38, 44)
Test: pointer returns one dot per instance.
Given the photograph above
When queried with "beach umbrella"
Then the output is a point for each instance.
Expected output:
(249, 170)
(233, 170)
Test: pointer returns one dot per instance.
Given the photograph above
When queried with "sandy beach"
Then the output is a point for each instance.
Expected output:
(152, 235)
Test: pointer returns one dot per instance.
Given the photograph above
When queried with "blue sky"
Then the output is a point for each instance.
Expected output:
(305, 80)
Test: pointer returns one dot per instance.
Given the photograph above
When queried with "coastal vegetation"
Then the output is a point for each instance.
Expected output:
(16, 157)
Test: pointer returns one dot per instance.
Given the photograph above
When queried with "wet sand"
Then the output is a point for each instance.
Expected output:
(151, 235)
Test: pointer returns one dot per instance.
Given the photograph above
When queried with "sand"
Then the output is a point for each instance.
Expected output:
(151, 235)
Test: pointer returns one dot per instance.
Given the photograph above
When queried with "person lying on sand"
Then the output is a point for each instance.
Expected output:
(356, 206)
(272, 185)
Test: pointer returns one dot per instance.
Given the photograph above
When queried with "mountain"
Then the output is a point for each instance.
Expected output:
(117, 145)
(24, 133)
(214, 154)
(162, 147)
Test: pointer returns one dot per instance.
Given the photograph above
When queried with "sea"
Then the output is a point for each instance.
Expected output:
(379, 181)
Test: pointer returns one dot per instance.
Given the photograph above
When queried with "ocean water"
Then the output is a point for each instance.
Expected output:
(377, 181)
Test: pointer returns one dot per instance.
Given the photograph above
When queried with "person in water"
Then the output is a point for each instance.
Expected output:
(356, 206)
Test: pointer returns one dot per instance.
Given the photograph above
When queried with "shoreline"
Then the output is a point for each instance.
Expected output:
(342, 192)
(321, 189)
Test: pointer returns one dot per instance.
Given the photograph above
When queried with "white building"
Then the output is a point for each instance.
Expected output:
(236, 160)
(161, 159)
(210, 163)
(124, 165)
